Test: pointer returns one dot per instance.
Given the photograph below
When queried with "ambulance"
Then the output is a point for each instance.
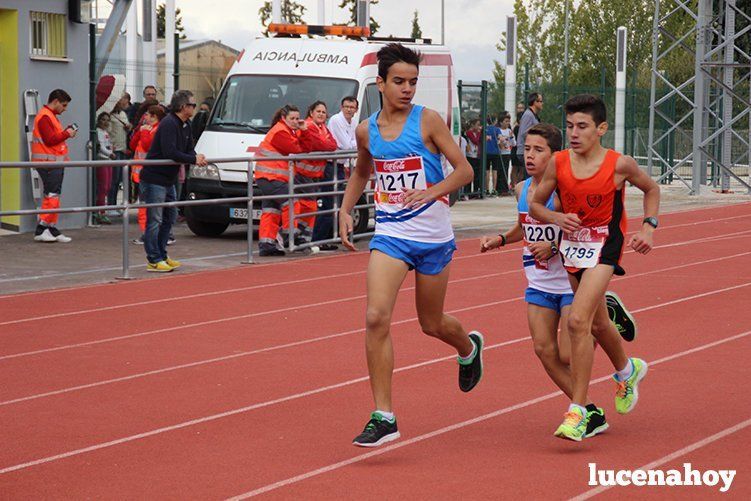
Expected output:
(297, 69)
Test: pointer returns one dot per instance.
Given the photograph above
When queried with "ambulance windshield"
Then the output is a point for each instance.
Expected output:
(248, 102)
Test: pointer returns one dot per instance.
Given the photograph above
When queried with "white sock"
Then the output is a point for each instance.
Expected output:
(471, 356)
(388, 416)
(576, 406)
(626, 372)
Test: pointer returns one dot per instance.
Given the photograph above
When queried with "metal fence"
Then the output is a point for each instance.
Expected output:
(249, 199)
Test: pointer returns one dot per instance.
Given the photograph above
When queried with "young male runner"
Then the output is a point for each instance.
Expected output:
(549, 295)
(590, 181)
(404, 143)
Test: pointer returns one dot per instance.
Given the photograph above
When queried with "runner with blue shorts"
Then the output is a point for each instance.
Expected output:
(403, 143)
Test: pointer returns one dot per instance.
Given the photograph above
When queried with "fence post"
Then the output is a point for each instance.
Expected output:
(335, 205)
(291, 202)
(176, 71)
(126, 204)
(483, 142)
(249, 259)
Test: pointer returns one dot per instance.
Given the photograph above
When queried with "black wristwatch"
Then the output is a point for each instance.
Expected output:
(503, 239)
(651, 221)
(554, 247)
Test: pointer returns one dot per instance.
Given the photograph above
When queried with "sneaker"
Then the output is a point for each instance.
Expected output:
(378, 431)
(470, 372)
(620, 316)
(328, 247)
(46, 236)
(574, 426)
(271, 251)
(103, 219)
(160, 267)
(59, 236)
(173, 263)
(627, 392)
(137, 241)
(171, 240)
(596, 423)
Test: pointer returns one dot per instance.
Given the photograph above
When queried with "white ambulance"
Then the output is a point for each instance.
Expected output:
(272, 72)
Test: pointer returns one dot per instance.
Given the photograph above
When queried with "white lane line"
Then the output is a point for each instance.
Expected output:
(457, 426)
(304, 280)
(321, 390)
(673, 455)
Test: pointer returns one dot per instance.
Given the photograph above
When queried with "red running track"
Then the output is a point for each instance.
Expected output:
(252, 381)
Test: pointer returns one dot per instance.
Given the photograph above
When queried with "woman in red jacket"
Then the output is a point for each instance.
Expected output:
(272, 177)
(316, 137)
(139, 144)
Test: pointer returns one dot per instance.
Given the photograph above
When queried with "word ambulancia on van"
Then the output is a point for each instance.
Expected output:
(300, 65)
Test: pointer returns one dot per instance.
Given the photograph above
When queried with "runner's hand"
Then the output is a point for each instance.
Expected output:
(345, 230)
(416, 198)
(542, 251)
(568, 222)
(487, 243)
(641, 242)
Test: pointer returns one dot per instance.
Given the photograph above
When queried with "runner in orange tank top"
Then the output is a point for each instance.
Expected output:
(590, 181)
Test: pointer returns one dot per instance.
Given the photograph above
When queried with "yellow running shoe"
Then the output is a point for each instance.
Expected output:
(160, 267)
(627, 392)
(173, 263)
(574, 426)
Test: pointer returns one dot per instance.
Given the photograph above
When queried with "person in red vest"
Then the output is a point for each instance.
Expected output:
(315, 137)
(139, 144)
(48, 145)
(272, 177)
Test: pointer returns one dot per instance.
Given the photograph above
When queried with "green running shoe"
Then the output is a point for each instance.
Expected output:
(574, 426)
(627, 392)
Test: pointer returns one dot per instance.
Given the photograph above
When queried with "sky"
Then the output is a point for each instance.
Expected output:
(472, 27)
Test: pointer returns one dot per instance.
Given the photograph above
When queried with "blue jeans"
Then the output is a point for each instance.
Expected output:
(324, 225)
(159, 220)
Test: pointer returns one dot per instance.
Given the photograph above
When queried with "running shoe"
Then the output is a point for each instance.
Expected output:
(627, 392)
(621, 317)
(160, 267)
(596, 423)
(574, 426)
(173, 263)
(377, 432)
(470, 372)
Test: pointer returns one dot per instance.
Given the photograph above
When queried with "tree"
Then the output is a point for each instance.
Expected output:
(416, 31)
(161, 22)
(292, 12)
(352, 6)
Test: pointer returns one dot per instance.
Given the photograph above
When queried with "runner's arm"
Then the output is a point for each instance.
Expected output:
(537, 205)
(627, 167)
(440, 135)
(514, 234)
(358, 180)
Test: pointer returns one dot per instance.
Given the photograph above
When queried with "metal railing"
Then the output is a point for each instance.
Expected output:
(249, 199)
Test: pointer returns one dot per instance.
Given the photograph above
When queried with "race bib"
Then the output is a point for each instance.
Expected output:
(534, 231)
(582, 248)
(393, 176)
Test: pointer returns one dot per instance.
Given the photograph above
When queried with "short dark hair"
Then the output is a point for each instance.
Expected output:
(148, 87)
(351, 99)
(157, 111)
(394, 53)
(589, 104)
(313, 106)
(180, 99)
(100, 116)
(551, 133)
(533, 97)
(60, 95)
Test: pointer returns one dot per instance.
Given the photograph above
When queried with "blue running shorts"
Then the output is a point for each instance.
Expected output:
(548, 300)
(424, 258)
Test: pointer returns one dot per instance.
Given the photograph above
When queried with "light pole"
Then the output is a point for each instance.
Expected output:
(443, 22)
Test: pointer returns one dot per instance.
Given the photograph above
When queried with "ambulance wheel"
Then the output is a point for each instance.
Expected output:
(205, 228)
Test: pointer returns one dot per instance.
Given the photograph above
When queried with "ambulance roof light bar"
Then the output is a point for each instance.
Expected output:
(316, 29)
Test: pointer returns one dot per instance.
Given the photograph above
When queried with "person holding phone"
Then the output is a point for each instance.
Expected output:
(49, 145)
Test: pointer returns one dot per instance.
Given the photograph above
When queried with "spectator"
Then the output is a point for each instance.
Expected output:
(140, 144)
(529, 118)
(119, 128)
(173, 141)
(103, 174)
(474, 136)
(342, 126)
(149, 94)
(507, 144)
(49, 145)
(493, 156)
(315, 137)
(200, 120)
(272, 177)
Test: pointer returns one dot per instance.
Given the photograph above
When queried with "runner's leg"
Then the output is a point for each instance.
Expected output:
(543, 326)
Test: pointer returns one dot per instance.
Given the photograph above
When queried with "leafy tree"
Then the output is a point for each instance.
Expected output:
(352, 6)
(416, 31)
(292, 12)
(161, 22)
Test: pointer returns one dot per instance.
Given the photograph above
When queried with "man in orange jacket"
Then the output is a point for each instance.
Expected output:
(48, 145)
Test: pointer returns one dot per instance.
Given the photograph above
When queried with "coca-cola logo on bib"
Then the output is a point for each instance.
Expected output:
(393, 165)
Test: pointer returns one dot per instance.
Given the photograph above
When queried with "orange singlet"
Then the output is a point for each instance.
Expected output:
(599, 205)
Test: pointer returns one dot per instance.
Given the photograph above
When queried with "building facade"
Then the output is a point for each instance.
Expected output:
(41, 49)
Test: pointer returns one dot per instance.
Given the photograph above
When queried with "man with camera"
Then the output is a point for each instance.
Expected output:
(49, 145)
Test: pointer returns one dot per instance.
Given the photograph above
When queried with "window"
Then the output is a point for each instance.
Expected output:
(48, 35)
(372, 100)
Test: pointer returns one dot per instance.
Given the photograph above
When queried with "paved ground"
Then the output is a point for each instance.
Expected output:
(95, 254)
